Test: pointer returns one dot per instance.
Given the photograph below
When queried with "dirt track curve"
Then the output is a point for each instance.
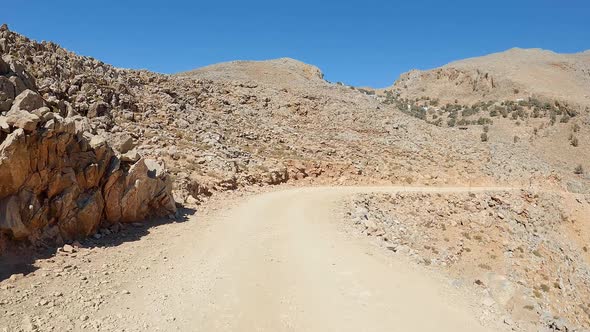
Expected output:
(278, 261)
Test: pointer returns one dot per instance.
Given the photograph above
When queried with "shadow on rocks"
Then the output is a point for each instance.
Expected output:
(20, 259)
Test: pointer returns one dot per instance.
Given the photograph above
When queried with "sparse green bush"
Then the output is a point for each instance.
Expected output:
(579, 170)
(463, 122)
(484, 137)
(469, 111)
(483, 121)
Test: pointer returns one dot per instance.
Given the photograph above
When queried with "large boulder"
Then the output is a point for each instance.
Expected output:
(122, 142)
(22, 119)
(27, 100)
(145, 189)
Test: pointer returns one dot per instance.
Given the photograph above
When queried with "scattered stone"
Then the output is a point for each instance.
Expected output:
(68, 248)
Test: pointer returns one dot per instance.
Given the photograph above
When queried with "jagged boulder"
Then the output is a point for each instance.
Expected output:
(22, 119)
(27, 100)
(132, 197)
(122, 142)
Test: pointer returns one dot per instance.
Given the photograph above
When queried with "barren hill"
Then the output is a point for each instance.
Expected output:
(510, 75)
(278, 72)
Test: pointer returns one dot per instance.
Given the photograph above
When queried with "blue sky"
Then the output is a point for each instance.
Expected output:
(363, 43)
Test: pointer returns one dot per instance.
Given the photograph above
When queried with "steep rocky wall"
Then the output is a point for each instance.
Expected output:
(58, 181)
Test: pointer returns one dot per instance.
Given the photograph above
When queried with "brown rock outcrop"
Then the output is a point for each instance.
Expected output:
(54, 181)
(59, 182)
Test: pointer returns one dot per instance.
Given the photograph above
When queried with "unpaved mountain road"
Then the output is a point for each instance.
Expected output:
(277, 261)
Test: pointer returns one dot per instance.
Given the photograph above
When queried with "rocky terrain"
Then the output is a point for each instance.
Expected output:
(60, 181)
(526, 251)
(89, 150)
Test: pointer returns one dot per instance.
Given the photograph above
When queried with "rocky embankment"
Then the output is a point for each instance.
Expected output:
(58, 180)
(526, 254)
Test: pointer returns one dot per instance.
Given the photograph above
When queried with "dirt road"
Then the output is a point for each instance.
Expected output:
(278, 261)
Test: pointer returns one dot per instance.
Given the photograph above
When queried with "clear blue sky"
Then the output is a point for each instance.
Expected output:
(364, 43)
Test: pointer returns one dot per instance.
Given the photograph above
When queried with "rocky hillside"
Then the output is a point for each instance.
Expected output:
(510, 75)
(258, 123)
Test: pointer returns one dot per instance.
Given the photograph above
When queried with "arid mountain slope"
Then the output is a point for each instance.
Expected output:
(516, 73)
(252, 123)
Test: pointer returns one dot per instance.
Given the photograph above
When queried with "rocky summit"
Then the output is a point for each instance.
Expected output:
(478, 174)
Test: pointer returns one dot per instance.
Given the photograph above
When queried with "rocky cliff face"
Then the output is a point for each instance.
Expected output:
(58, 180)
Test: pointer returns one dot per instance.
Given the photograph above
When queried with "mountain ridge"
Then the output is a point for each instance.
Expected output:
(509, 75)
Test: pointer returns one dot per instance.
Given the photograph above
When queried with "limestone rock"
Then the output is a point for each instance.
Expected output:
(14, 163)
(28, 100)
(98, 109)
(134, 197)
(81, 181)
(4, 125)
(122, 142)
(22, 119)
(10, 219)
(130, 156)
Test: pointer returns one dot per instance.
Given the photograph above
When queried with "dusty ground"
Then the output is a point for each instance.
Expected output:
(278, 261)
